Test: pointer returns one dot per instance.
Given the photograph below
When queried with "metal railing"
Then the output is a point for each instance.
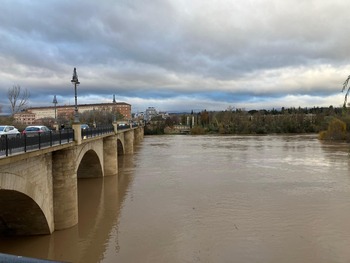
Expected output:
(98, 131)
(36, 141)
(123, 126)
(33, 141)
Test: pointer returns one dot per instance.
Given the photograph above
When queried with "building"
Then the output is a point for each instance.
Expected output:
(32, 115)
(27, 118)
(150, 113)
(139, 116)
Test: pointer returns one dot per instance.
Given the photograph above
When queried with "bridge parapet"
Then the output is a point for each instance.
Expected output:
(77, 133)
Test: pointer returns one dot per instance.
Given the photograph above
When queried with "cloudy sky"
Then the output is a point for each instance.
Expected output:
(177, 55)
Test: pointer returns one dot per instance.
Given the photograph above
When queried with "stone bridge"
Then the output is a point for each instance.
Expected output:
(38, 189)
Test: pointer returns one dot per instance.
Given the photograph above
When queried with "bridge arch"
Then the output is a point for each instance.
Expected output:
(90, 166)
(23, 207)
(120, 147)
(90, 161)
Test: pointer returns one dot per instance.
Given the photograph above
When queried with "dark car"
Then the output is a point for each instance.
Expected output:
(84, 126)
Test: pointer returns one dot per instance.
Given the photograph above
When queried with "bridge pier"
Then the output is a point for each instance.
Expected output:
(129, 142)
(110, 156)
(65, 188)
(138, 135)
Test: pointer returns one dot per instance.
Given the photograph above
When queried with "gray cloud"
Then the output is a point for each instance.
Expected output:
(192, 53)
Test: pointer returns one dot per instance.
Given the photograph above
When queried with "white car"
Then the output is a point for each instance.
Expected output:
(10, 131)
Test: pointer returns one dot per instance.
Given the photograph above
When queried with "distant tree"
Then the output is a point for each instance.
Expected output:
(47, 121)
(172, 120)
(169, 122)
(183, 119)
(18, 98)
(155, 126)
(175, 119)
(100, 117)
(204, 118)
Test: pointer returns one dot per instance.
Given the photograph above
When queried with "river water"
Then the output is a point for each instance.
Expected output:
(211, 199)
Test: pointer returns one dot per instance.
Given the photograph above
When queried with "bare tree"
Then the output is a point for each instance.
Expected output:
(18, 98)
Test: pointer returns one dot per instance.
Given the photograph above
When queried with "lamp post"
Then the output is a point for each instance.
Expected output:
(55, 103)
(76, 82)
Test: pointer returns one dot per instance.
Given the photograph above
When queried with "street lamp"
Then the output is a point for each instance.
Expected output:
(76, 82)
(55, 103)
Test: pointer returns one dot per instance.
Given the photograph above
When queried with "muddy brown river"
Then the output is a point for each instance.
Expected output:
(213, 198)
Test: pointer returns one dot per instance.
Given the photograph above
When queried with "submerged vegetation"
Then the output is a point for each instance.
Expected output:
(336, 131)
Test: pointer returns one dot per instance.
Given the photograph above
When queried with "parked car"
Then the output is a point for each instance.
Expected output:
(10, 131)
(122, 125)
(35, 130)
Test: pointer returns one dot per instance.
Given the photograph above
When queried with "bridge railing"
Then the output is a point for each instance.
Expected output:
(34, 141)
(37, 141)
(123, 126)
(98, 131)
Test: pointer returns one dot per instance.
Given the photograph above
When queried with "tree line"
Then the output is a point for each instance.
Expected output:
(239, 121)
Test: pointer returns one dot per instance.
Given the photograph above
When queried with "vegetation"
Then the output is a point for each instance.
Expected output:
(18, 98)
(197, 130)
(283, 121)
(156, 127)
(100, 117)
(336, 131)
(331, 123)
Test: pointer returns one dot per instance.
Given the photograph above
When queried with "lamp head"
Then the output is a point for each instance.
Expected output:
(75, 77)
(54, 100)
